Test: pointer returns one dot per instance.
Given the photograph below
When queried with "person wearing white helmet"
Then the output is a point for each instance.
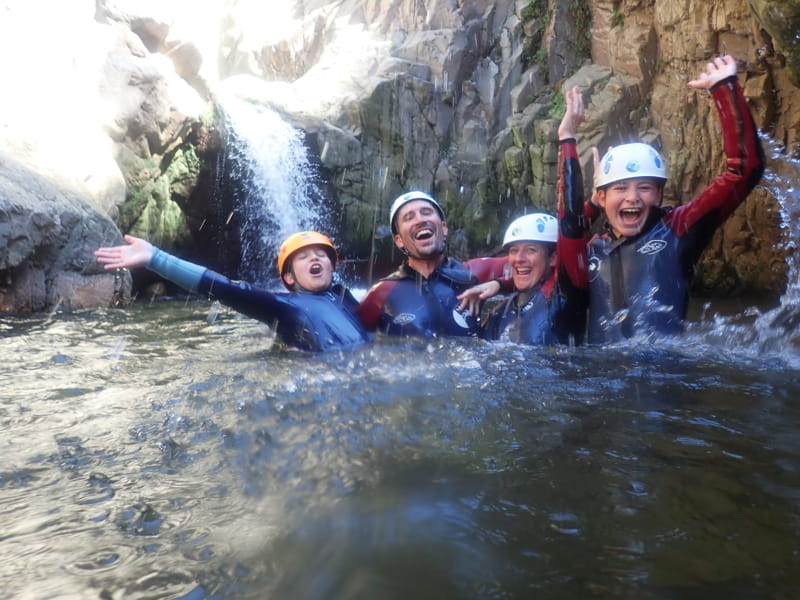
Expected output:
(315, 314)
(420, 297)
(641, 266)
(546, 258)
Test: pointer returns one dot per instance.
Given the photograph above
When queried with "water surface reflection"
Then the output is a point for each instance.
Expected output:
(148, 453)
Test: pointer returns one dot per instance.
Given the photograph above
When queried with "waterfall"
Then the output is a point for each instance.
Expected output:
(277, 190)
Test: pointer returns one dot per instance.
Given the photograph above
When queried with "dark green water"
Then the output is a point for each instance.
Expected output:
(148, 453)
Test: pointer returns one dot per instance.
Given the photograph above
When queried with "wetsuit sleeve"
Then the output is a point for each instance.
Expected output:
(178, 271)
(371, 305)
(240, 296)
(572, 254)
(486, 269)
(745, 166)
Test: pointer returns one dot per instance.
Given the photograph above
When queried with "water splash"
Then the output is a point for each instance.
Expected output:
(774, 333)
(279, 192)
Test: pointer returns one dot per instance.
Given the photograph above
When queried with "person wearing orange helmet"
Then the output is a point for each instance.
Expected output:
(315, 314)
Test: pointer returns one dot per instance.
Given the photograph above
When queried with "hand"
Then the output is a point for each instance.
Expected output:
(718, 69)
(473, 297)
(137, 253)
(573, 116)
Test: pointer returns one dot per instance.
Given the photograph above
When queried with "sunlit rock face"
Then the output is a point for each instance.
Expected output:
(88, 115)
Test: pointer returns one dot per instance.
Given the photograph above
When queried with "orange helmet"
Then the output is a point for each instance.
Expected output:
(296, 241)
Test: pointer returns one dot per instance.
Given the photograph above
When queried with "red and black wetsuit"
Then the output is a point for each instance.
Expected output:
(553, 312)
(641, 283)
(406, 303)
(313, 321)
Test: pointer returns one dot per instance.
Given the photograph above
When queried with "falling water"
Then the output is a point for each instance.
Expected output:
(774, 332)
(278, 191)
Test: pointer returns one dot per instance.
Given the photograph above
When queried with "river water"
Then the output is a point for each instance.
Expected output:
(168, 450)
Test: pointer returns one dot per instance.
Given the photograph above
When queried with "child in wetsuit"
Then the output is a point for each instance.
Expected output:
(640, 268)
(313, 315)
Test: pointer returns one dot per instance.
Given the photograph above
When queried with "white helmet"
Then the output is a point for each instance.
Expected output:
(535, 227)
(404, 199)
(628, 161)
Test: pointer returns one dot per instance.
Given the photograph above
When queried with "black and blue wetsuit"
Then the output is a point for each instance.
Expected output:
(641, 283)
(406, 303)
(313, 321)
(554, 311)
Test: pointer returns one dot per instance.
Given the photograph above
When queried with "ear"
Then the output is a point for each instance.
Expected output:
(600, 198)
(398, 241)
(553, 260)
(444, 228)
(289, 279)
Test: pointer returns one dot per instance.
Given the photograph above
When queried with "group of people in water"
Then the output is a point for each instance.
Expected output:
(561, 284)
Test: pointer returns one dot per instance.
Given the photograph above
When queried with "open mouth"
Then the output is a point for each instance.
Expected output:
(315, 269)
(630, 216)
(423, 234)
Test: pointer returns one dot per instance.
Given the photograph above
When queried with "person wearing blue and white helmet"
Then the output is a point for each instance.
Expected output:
(546, 258)
(640, 268)
(535, 312)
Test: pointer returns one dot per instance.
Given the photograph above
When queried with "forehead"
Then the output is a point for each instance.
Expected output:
(523, 246)
(415, 206)
(637, 181)
(306, 250)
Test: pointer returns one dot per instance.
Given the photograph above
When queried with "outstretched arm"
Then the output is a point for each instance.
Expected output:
(136, 253)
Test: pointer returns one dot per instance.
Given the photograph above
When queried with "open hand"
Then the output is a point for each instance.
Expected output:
(137, 253)
(718, 69)
(573, 116)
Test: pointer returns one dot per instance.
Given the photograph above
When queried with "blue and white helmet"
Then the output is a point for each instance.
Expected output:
(535, 227)
(629, 161)
(404, 199)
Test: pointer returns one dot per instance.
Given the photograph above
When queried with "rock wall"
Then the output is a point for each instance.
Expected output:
(463, 98)
(98, 133)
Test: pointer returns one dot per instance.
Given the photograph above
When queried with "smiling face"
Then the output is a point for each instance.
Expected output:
(627, 204)
(420, 230)
(311, 269)
(529, 263)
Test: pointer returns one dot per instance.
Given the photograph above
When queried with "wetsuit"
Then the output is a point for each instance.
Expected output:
(406, 303)
(313, 321)
(554, 311)
(641, 283)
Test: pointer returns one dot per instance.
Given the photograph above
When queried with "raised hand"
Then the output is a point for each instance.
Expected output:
(573, 116)
(136, 253)
(717, 70)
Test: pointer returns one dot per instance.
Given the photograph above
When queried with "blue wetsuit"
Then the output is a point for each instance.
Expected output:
(406, 303)
(641, 283)
(554, 311)
(313, 321)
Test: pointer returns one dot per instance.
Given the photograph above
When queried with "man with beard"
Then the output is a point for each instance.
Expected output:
(420, 297)
(314, 315)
